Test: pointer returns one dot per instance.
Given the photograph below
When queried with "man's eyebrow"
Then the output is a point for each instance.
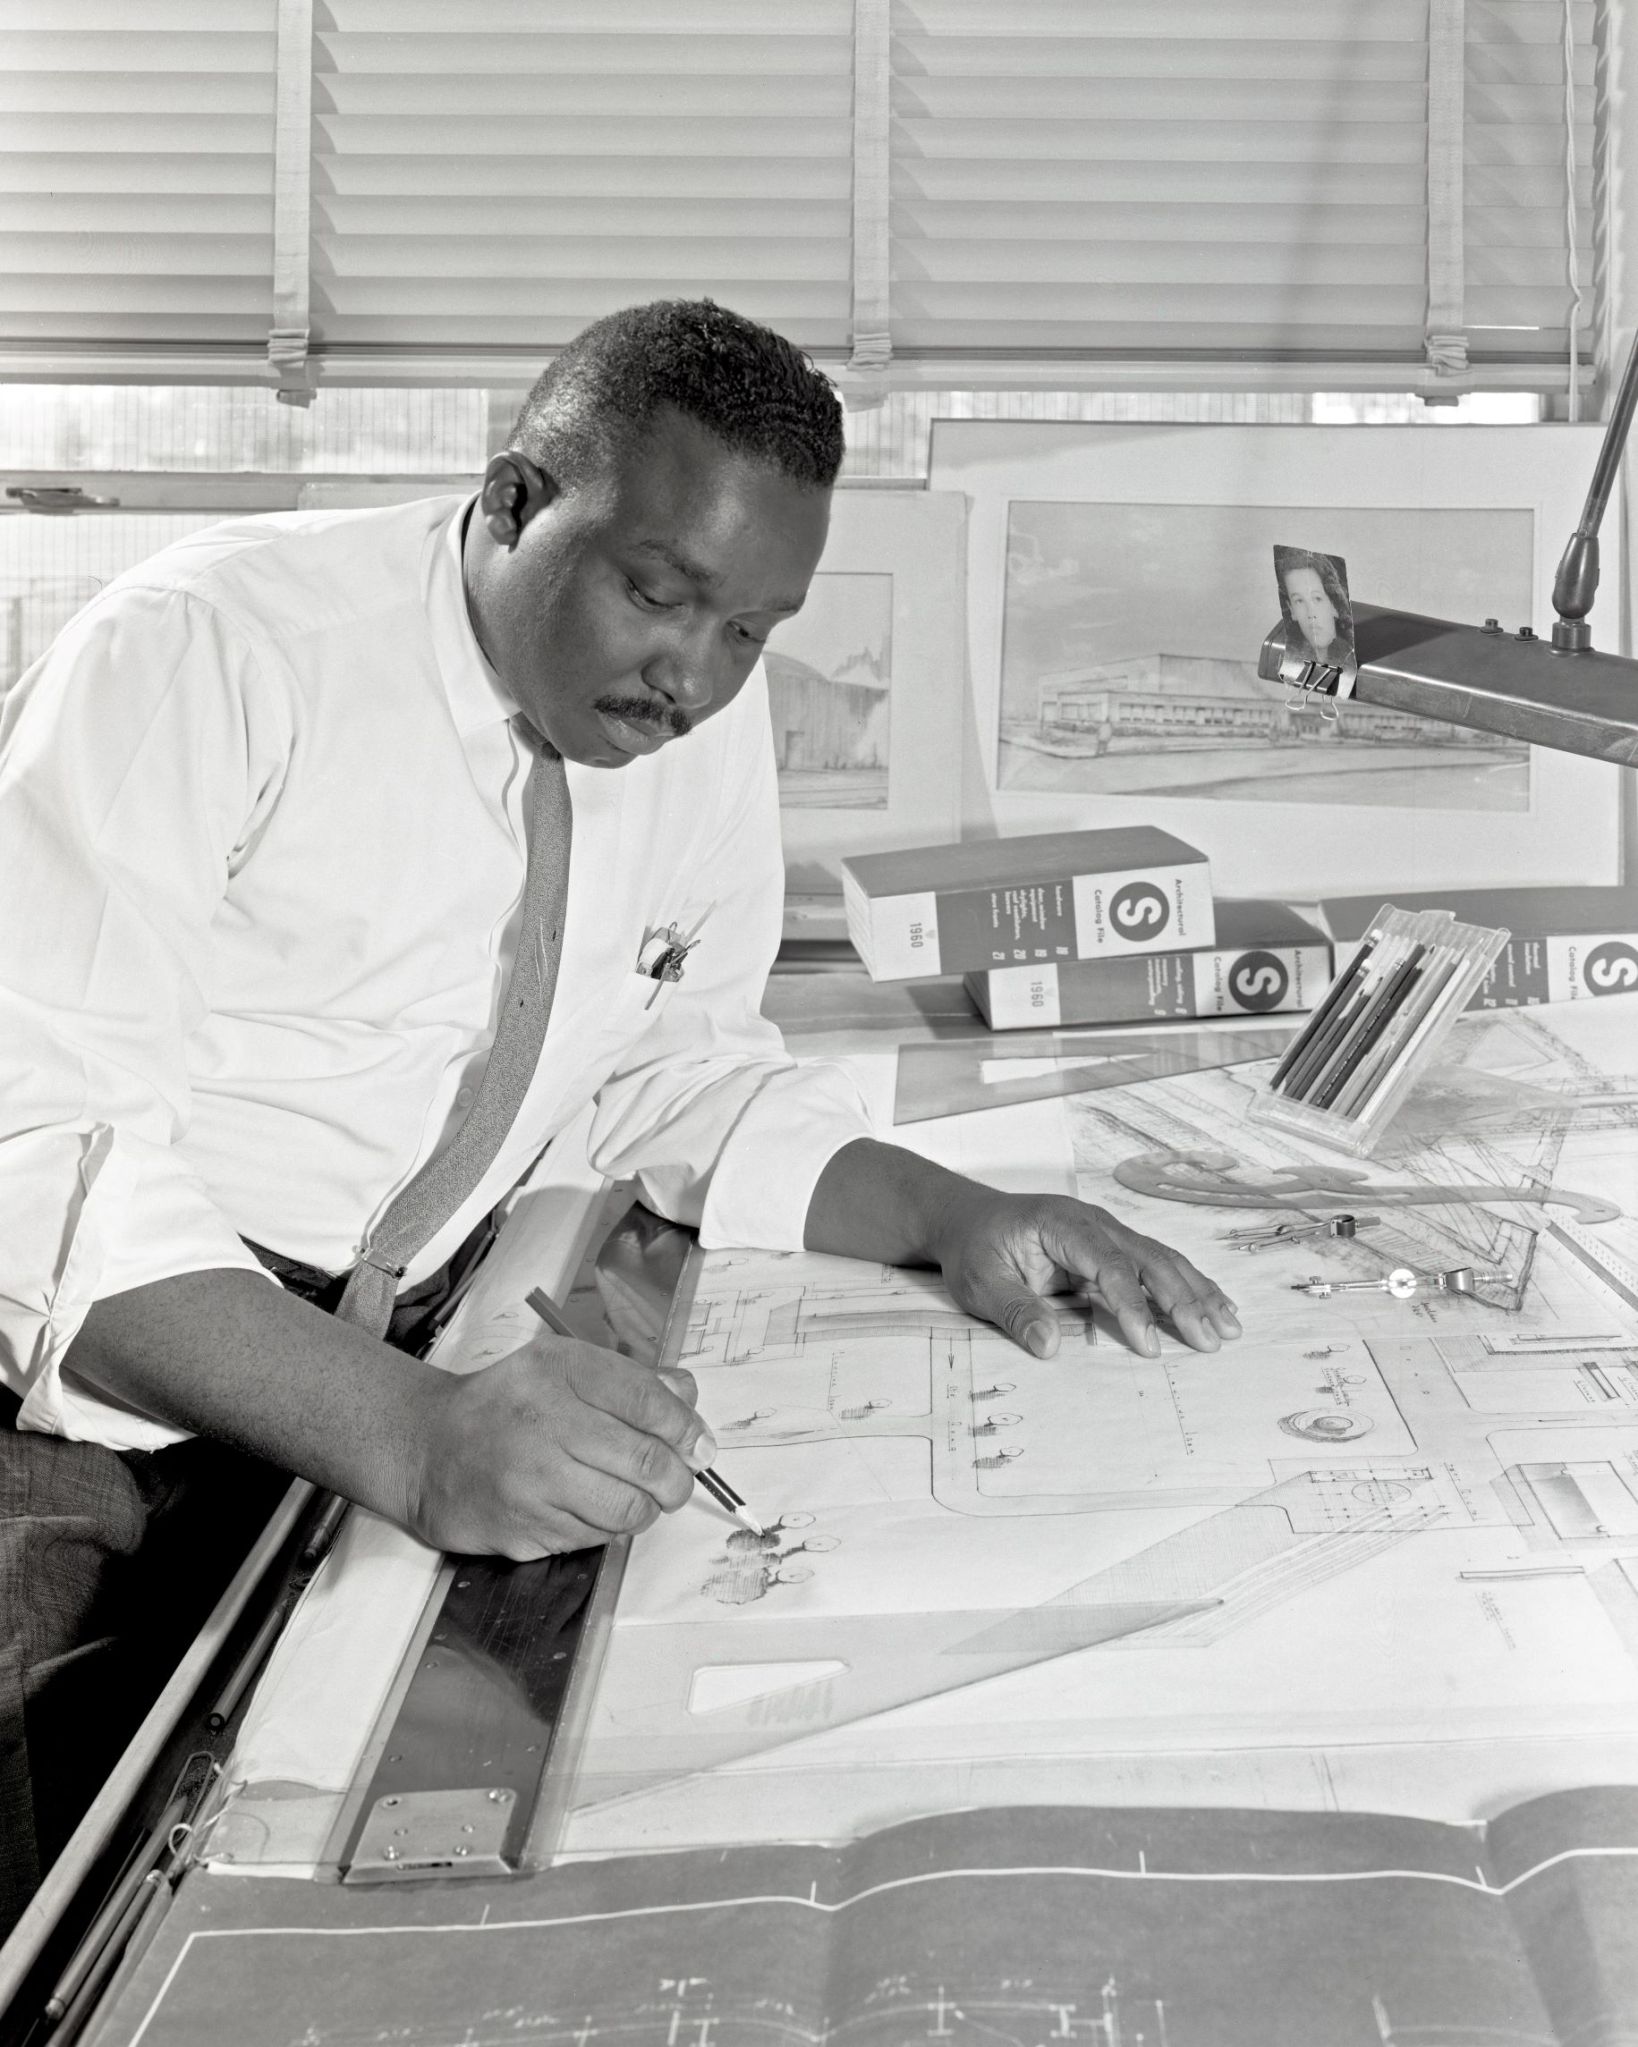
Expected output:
(698, 574)
(684, 564)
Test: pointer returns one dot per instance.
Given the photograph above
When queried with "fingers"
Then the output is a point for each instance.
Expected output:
(1133, 1276)
(629, 1445)
(1120, 1284)
(1198, 1309)
(1136, 1277)
(1033, 1325)
(652, 1404)
(558, 1446)
(1024, 1316)
(1155, 1279)
(682, 1384)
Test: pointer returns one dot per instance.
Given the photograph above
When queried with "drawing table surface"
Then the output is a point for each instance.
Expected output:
(1384, 1562)
(1339, 1685)
(311, 1719)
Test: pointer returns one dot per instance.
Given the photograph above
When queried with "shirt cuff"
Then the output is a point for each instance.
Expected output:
(136, 1215)
(791, 1129)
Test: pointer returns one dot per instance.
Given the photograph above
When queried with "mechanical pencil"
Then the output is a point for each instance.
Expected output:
(713, 1481)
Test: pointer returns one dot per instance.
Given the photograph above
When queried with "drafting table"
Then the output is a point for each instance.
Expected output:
(1178, 1528)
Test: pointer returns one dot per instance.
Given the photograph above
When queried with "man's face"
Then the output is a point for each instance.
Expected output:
(1311, 609)
(637, 603)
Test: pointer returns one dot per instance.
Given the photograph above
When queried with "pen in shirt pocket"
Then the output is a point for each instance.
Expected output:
(665, 949)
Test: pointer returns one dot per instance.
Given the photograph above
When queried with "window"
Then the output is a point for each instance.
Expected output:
(363, 191)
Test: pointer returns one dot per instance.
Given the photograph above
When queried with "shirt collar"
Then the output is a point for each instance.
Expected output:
(477, 696)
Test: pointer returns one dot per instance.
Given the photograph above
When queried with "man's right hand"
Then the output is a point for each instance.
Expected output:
(556, 1447)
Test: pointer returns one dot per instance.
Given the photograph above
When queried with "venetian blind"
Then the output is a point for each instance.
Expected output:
(1082, 182)
(496, 175)
(1140, 177)
(136, 180)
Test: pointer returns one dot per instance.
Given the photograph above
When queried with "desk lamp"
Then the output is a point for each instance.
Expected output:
(1558, 692)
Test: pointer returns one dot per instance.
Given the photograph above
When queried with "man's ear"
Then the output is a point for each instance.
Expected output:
(514, 490)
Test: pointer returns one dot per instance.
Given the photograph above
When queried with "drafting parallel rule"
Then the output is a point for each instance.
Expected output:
(471, 1764)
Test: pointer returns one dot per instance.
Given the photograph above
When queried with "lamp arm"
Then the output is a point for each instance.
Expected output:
(1576, 583)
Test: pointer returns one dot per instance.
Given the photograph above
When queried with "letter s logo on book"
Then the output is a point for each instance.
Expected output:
(1257, 980)
(1611, 968)
(1139, 910)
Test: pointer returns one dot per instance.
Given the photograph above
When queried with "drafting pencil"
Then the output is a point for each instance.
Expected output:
(1345, 1024)
(1439, 969)
(552, 1315)
(1335, 996)
(1380, 1013)
(713, 1481)
(1323, 1043)
(1415, 1026)
(1400, 1040)
(1389, 953)
(1342, 997)
(1374, 1060)
(725, 1496)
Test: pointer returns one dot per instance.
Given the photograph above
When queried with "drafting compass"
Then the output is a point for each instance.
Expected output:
(1265, 1236)
(1402, 1283)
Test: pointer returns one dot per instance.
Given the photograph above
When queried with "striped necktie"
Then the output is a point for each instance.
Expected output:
(449, 1177)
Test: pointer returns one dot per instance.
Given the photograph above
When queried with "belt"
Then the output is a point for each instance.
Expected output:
(417, 1313)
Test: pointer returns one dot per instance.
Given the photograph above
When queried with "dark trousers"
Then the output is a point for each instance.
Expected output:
(109, 1564)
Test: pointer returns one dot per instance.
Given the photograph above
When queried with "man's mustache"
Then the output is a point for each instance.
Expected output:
(646, 711)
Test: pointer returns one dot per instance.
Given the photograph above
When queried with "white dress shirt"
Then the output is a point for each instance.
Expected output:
(261, 853)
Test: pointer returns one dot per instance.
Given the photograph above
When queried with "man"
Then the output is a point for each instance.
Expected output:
(262, 850)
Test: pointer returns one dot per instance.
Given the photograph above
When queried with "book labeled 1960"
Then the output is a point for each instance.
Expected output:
(1531, 970)
(1267, 959)
(1051, 896)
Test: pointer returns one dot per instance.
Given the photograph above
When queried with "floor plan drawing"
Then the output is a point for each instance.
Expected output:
(1011, 1927)
(1374, 1519)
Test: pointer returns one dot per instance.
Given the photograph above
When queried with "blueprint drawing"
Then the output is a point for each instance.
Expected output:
(1372, 1520)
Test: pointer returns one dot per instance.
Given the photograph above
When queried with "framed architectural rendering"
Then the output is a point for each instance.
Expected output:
(1121, 580)
(866, 686)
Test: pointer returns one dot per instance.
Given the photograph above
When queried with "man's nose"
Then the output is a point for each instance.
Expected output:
(688, 671)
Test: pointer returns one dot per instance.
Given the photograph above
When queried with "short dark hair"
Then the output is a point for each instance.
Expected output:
(750, 387)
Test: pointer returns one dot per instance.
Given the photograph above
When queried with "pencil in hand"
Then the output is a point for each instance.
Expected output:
(714, 1483)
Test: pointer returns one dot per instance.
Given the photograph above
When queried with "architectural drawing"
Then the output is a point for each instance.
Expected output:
(1129, 664)
(829, 683)
(1369, 1517)
(1008, 1927)
(755, 1564)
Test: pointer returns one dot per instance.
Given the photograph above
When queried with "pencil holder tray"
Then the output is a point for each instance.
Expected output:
(1345, 1073)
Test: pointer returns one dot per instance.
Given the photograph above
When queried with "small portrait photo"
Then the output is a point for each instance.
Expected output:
(1314, 603)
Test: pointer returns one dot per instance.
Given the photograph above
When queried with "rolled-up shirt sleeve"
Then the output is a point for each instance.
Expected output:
(720, 1127)
(135, 760)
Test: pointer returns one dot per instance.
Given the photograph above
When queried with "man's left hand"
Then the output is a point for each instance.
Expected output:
(1003, 1255)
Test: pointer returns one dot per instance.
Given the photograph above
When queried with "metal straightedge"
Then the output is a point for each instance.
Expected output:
(481, 1704)
(473, 1760)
